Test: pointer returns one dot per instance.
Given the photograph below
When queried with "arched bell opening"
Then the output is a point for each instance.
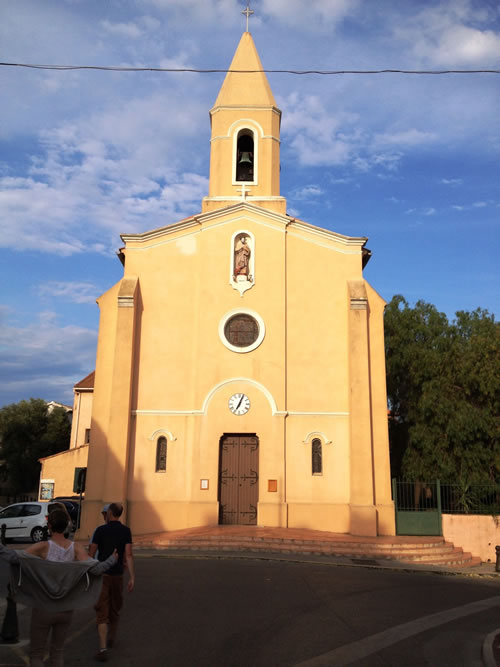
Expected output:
(245, 156)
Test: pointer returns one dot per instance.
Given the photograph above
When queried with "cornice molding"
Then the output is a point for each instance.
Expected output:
(160, 231)
(246, 107)
(300, 225)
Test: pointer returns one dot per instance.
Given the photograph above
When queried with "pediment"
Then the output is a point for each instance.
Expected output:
(250, 213)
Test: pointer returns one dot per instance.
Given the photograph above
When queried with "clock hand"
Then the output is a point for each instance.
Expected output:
(239, 402)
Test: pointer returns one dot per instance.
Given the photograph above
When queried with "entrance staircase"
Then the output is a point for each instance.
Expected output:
(254, 539)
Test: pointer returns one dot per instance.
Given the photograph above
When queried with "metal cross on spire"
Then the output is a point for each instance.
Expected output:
(248, 12)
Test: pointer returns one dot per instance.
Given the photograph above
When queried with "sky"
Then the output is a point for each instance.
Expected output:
(409, 161)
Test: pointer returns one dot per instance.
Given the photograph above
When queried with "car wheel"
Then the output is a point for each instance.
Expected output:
(38, 534)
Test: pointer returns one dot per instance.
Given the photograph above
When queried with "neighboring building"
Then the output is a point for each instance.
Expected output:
(51, 405)
(58, 471)
(240, 374)
(82, 411)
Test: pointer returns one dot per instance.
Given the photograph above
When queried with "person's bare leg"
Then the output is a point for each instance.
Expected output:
(102, 631)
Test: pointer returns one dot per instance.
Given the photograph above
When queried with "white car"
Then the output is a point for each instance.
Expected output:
(27, 519)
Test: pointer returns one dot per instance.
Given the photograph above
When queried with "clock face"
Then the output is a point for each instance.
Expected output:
(239, 404)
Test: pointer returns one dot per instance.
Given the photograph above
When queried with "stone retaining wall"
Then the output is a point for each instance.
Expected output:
(476, 533)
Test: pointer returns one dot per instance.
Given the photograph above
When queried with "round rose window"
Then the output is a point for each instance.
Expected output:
(241, 330)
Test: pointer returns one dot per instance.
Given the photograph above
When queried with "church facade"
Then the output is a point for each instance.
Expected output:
(240, 372)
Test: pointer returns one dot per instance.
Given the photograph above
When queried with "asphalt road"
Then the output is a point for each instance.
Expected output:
(257, 613)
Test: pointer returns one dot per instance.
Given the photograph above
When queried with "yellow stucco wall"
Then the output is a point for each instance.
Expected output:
(182, 375)
(61, 469)
(82, 417)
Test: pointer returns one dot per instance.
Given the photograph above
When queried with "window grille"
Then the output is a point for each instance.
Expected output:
(317, 457)
(161, 454)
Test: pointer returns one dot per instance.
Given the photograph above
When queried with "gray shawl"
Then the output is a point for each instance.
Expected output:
(52, 586)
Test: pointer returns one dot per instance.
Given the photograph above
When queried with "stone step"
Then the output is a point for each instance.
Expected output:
(327, 547)
(280, 540)
(438, 553)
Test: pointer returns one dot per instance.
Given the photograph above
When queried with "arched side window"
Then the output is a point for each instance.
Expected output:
(245, 155)
(161, 454)
(317, 457)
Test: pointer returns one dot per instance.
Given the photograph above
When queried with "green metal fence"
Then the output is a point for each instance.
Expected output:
(419, 505)
(470, 499)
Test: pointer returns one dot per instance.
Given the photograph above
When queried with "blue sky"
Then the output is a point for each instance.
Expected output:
(410, 161)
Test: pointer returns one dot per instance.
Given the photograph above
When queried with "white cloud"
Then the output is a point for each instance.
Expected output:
(130, 30)
(116, 171)
(206, 12)
(313, 15)
(43, 359)
(463, 45)
(319, 134)
(451, 181)
(76, 292)
(307, 192)
(453, 33)
(429, 211)
(406, 138)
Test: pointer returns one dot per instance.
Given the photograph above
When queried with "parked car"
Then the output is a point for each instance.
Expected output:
(27, 519)
(72, 507)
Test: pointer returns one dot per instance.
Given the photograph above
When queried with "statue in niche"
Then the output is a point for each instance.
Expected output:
(242, 258)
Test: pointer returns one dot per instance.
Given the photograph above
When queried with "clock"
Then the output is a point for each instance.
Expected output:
(239, 404)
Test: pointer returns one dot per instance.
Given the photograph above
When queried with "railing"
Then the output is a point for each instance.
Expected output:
(416, 496)
(446, 497)
(470, 499)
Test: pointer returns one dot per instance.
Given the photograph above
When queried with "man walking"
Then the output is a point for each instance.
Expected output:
(112, 535)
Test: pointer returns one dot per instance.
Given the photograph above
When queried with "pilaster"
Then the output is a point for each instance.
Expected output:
(363, 512)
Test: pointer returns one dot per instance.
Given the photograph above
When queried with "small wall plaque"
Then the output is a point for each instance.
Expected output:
(272, 485)
(204, 484)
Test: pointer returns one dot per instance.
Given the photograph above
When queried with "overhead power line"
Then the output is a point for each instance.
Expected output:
(249, 71)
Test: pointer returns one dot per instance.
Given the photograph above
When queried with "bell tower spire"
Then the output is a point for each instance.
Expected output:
(245, 141)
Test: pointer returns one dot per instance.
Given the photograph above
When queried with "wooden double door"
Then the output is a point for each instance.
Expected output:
(238, 479)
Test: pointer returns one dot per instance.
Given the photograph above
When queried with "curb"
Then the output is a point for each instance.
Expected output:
(488, 653)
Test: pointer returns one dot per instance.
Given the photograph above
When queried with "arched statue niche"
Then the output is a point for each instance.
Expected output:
(242, 261)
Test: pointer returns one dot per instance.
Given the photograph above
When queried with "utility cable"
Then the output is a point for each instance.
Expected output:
(249, 71)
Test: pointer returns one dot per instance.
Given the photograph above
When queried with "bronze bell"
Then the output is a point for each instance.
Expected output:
(245, 157)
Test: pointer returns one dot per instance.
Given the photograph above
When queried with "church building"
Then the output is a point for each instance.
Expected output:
(240, 372)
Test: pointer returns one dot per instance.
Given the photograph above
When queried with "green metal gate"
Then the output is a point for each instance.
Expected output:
(418, 507)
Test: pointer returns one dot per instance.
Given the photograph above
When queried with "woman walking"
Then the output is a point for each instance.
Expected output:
(54, 578)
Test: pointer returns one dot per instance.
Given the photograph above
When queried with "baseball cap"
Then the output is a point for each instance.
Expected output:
(105, 509)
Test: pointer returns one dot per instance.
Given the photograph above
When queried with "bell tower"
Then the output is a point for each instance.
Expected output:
(245, 141)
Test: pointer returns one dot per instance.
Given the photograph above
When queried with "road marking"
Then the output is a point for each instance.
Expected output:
(81, 630)
(349, 653)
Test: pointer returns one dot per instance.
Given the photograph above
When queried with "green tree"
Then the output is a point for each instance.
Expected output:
(28, 432)
(443, 384)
